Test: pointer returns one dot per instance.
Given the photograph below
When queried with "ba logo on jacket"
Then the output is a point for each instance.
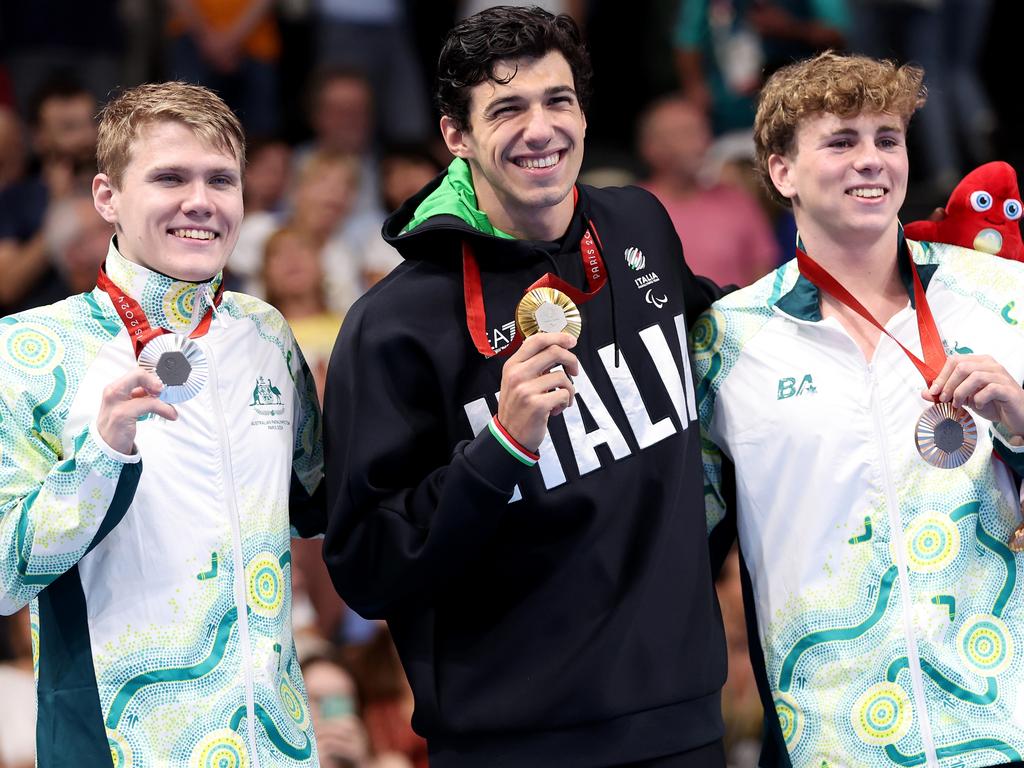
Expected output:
(789, 388)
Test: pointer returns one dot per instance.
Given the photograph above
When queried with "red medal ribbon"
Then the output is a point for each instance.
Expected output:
(134, 318)
(476, 320)
(931, 342)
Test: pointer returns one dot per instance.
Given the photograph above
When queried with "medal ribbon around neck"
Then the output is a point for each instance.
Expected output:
(931, 342)
(476, 320)
(134, 317)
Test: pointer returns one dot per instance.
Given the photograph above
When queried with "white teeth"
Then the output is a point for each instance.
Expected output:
(194, 234)
(537, 162)
(871, 192)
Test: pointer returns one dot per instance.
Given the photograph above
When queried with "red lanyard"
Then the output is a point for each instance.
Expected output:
(134, 318)
(476, 320)
(931, 342)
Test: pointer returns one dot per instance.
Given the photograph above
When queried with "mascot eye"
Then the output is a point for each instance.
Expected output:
(1012, 209)
(981, 200)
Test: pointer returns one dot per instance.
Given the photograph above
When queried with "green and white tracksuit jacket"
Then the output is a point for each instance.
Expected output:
(160, 582)
(887, 610)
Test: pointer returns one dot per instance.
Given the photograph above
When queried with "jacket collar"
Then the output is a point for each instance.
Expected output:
(803, 300)
(176, 305)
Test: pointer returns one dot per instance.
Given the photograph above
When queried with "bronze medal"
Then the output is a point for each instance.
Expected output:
(946, 436)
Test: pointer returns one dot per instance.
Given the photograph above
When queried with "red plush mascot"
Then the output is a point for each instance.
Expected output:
(983, 213)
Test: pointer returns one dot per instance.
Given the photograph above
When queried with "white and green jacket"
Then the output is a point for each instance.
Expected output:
(886, 612)
(160, 582)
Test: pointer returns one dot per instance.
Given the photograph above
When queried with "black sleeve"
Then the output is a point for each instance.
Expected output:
(407, 508)
(724, 534)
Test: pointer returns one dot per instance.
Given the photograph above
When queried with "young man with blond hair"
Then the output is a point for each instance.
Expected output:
(875, 441)
(158, 439)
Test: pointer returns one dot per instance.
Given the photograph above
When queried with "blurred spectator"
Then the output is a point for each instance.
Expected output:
(267, 174)
(724, 232)
(741, 703)
(341, 115)
(575, 8)
(41, 38)
(63, 131)
(373, 37)
(233, 47)
(341, 736)
(387, 697)
(404, 170)
(724, 48)
(323, 207)
(76, 238)
(18, 703)
(945, 37)
(294, 278)
(12, 148)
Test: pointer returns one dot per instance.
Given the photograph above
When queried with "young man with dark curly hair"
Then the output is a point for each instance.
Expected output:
(877, 447)
(527, 513)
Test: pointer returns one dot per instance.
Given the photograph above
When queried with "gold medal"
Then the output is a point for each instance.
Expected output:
(179, 363)
(548, 310)
(946, 436)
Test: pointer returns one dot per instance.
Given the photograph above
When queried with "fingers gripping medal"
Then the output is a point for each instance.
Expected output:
(548, 310)
(179, 363)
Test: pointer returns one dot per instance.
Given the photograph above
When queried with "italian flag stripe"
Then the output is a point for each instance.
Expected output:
(510, 444)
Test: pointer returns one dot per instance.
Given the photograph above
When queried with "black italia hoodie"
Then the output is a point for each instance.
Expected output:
(561, 614)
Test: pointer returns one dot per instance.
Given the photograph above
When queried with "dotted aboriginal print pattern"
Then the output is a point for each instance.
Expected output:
(170, 695)
(836, 656)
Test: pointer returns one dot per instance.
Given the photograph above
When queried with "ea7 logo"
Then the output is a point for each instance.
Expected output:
(789, 388)
(502, 337)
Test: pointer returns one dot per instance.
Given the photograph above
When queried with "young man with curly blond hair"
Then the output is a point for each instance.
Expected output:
(875, 440)
(159, 439)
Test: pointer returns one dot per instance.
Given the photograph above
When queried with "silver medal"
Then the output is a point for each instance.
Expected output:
(179, 363)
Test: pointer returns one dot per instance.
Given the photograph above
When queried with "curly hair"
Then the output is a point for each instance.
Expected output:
(476, 44)
(834, 84)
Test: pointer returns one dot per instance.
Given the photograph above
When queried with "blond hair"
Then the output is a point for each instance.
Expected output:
(197, 107)
(835, 84)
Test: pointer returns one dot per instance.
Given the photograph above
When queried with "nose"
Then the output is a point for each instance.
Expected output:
(197, 201)
(868, 157)
(539, 130)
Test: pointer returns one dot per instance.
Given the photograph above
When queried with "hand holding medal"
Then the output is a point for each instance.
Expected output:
(979, 382)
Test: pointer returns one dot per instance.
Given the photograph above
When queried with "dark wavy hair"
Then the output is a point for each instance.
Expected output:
(504, 32)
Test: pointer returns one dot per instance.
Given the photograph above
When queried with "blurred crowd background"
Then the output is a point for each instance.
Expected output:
(335, 99)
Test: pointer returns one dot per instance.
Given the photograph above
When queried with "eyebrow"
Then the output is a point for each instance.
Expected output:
(853, 132)
(184, 171)
(515, 98)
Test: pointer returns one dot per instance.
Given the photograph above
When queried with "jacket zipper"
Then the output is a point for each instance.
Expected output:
(906, 600)
(239, 570)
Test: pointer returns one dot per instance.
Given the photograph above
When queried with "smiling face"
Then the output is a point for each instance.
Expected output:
(524, 143)
(178, 207)
(846, 177)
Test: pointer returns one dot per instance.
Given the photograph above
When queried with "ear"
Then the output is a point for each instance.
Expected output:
(104, 197)
(779, 172)
(455, 138)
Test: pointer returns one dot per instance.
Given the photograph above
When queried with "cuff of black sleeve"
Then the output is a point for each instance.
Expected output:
(494, 463)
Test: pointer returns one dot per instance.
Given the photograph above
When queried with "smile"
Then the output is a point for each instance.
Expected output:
(867, 192)
(538, 162)
(194, 234)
